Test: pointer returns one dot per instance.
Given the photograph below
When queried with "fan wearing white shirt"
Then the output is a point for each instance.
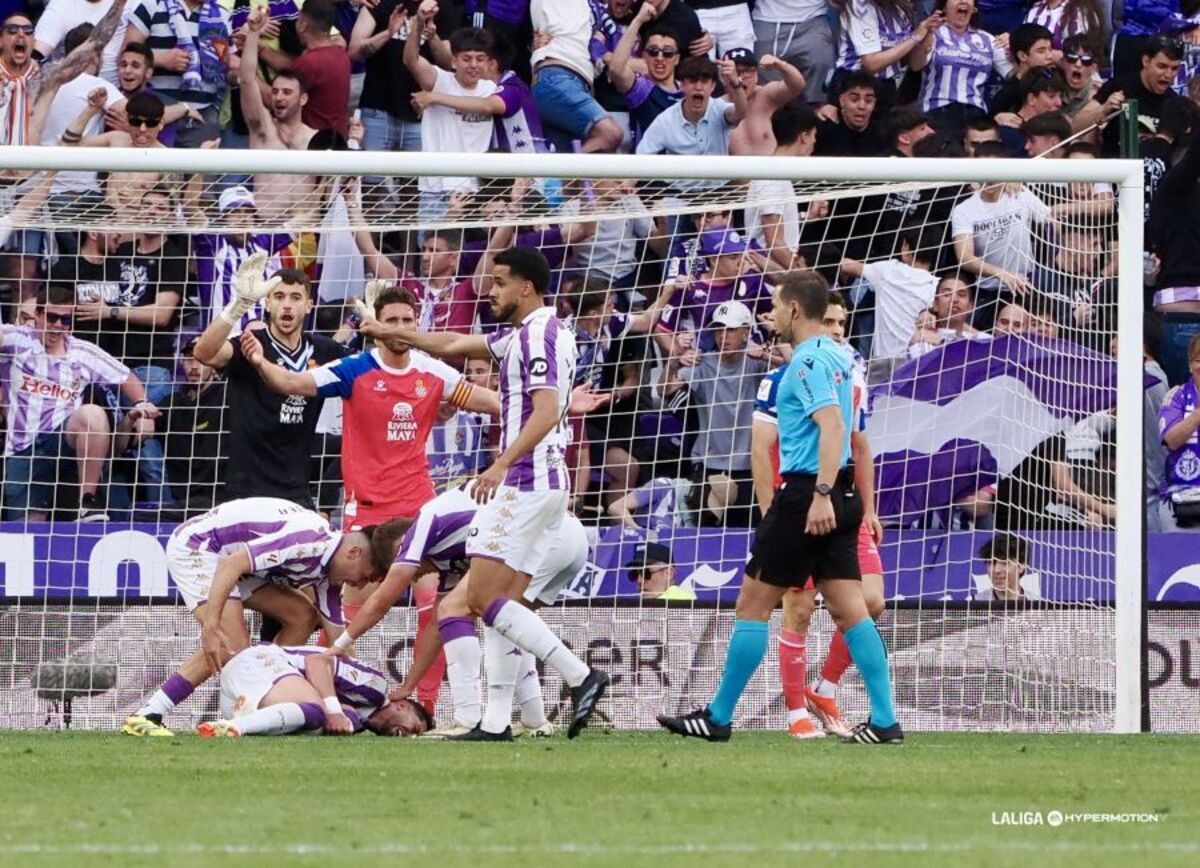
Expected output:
(903, 288)
(445, 129)
(1008, 576)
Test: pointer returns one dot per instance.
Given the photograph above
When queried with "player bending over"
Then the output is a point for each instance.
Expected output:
(437, 540)
(815, 405)
(272, 690)
(798, 604)
(523, 495)
(254, 553)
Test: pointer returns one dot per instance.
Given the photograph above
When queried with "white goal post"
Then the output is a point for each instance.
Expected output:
(813, 179)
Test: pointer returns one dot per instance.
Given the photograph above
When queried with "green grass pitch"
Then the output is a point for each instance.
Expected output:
(606, 799)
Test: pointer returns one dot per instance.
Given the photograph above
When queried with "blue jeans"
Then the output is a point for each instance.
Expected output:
(566, 104)
(1178, 329)
(386, 132)
(151, 460)
(32, 476)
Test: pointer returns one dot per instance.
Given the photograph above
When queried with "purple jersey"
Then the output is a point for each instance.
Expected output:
(1183, 464)
(44, 390)
(593, 350)
(287, 544)
(959, 67)
(538, 354)
(218, 258)
(360, 689)
(656, 505)
(439, 535)
(697, 303)
(866, 30)
(459, 447)
(519, 129)
(1055, 19)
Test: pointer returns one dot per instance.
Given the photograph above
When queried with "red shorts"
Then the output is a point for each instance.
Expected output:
(869, 562)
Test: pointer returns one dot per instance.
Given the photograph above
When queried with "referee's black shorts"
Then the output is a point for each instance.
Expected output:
(785, 556)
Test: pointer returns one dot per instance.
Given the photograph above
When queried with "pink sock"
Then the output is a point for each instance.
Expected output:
(792, 668)
(837, 660)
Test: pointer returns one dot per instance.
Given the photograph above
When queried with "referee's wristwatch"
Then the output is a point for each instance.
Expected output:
(823, 489)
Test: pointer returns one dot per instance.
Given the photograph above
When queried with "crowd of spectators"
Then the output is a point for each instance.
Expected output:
(107, 389)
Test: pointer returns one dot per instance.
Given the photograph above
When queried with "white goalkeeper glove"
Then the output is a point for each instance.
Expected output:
(249, 287)
(365, 306)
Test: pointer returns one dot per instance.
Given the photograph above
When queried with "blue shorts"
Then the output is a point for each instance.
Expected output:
(34, 475)
(564, 100)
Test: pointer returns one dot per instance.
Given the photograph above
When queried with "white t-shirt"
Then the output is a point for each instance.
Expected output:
(901, 293)
(60, 16)
(1001, 229)
(788, 11)
(570, 25)
(68, 104)
(778, 198)
(449, 131)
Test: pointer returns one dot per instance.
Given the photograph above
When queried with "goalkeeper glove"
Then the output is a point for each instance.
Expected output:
(249, 287)
(365, 307)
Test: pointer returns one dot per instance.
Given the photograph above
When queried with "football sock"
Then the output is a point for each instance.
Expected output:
(425, 598)
(791, 673)
(528, 694)
(866, 649)
(174, 691)
(462, 668)
(281, 719)
(502, 660)
(747, 647)
(529, 632)
(837, 661)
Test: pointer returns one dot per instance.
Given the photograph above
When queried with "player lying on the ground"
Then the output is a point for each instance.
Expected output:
(437, 540)
(254, 553)
(272, 690)
(799, 603)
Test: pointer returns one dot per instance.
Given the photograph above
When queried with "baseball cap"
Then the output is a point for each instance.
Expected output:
(733, 315)
(741, 56)
(235, 197)
(647, 556)
(722, 242)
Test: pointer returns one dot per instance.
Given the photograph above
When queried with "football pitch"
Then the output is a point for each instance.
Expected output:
(620, 799)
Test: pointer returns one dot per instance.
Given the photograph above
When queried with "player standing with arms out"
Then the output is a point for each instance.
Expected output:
(254, 553)
(815, 401)
(524, 493)
(798, 604)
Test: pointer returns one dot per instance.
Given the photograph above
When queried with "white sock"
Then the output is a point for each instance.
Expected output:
(503, 662)
(825, 689)
(273, 720)
(797, 714)
(528, 694)
(462, 672)
(158, 704)
(526, 630)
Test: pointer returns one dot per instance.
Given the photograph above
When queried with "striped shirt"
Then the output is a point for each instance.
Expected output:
(538, 354)
(459, 447)
(152, 20)
(657, 505)
(44, 390)
(286, 543)
(218, 258)
(593, 350)
(519, 129)
(959, 67)
(865, 31)
(16, 106)
(439, 535)
(1054, 19)
(360, 689)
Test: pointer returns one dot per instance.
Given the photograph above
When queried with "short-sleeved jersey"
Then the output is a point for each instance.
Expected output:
(44, 390)
(700, 300)
(539, 354)
(439, 535)
(360, 689)
(819, 375)
(594, 350)
(286, 543)
(519, 129)
(270, 435)
(766, 403)
(386, 417)
(449, 309)
(1183, 464)
(656, 506)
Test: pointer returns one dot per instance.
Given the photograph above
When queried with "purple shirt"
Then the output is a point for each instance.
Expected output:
(593, 351)
(959, 67)
(539, 354)
(519, 129)
(1183, 464)
(700, 300)
(360, 689)
(655, 507)
(439, 535)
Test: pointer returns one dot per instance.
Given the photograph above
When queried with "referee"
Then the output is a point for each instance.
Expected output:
(815, 406)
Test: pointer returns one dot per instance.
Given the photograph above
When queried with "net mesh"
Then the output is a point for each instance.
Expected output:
(982, 317)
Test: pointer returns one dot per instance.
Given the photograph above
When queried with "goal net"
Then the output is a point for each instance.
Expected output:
(981, 297)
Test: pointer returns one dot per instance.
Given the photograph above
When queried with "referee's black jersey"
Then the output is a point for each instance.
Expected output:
(271, 435)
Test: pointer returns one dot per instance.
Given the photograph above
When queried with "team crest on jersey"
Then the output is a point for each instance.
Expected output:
(837, 377)
(1188, 466)
(419, 388)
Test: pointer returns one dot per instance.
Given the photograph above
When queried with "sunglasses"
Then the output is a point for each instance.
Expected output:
(14, 29)
(1085, 59)
(61, 318)
(655, 51)
(143, 121)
